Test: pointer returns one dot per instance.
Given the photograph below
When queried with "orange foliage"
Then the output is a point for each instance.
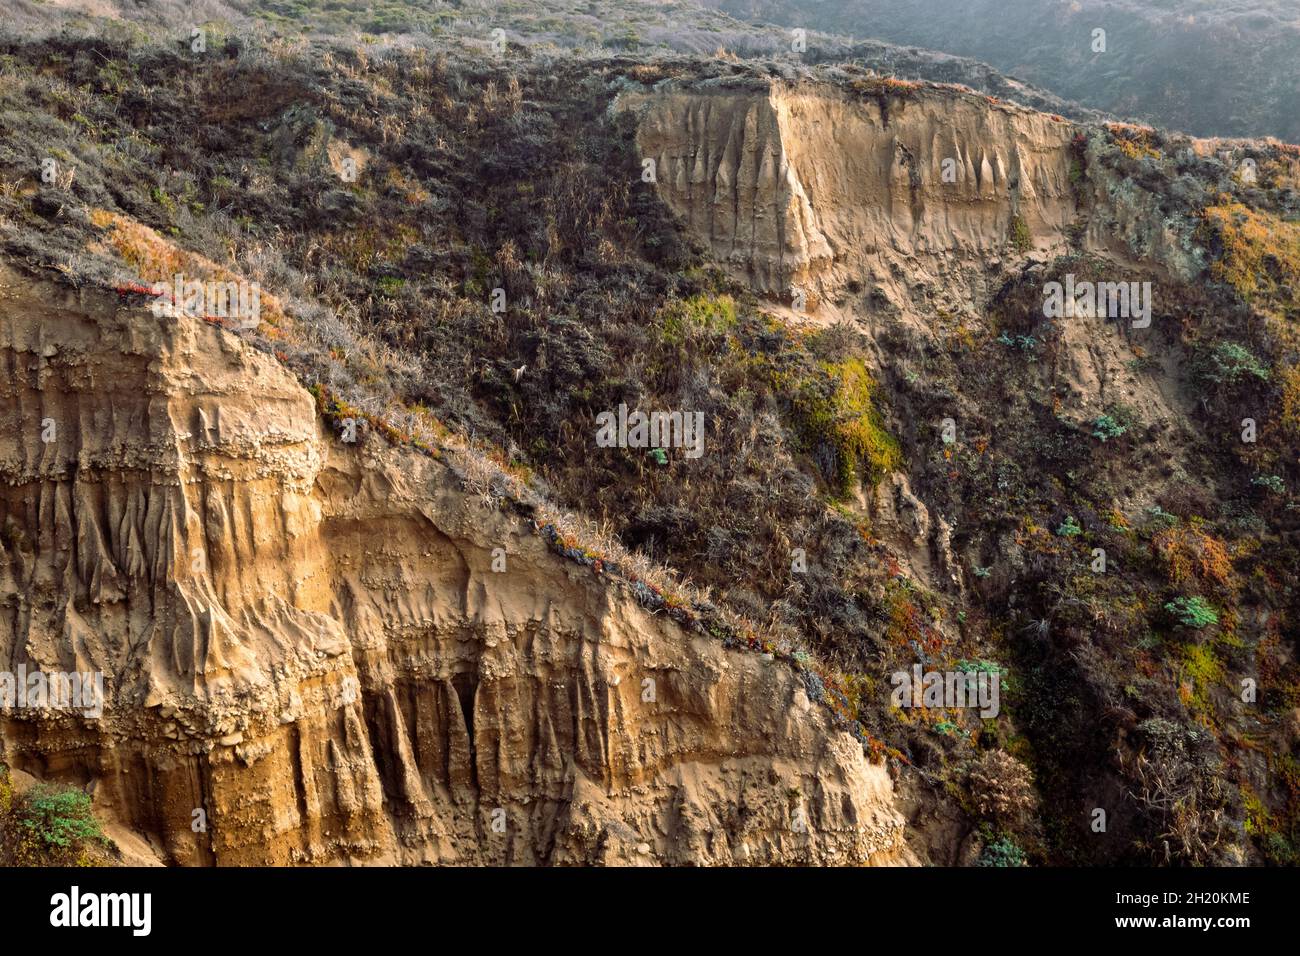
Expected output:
(1192, 555)
(1135, 142)
(157, 260)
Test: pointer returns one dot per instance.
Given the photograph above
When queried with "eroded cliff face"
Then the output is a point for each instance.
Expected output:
(306, 640)
(858, 200)
(910, 205)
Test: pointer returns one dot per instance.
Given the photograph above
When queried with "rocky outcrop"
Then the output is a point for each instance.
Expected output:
(893, 195)
(311, 654)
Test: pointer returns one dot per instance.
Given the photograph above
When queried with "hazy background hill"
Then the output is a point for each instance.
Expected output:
(547, 27)
(1208, 67)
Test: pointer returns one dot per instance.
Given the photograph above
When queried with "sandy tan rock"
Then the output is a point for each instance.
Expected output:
(811, 188)
(306, 641)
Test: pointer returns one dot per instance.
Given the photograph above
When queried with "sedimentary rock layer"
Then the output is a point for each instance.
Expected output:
(309, 657)
(817, 189)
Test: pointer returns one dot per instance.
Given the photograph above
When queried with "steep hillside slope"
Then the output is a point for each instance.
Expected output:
(327, 653)
(845, 195)
(483, 258)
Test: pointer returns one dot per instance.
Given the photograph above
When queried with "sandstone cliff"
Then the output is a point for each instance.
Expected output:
(306, 640)
(844, 195)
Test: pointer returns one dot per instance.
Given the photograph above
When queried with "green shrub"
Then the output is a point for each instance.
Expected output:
(1076, 171)
(1158, 517)
(1228, 363)
(1272, 483)
(1069, 528)
(1025, 343)
(47, 826)
(1193, 612)
(687, 320)
(390, 286)
(58, 818)
(1001, 852)
(835, 413)
(1106, 427)
(1019, 235)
